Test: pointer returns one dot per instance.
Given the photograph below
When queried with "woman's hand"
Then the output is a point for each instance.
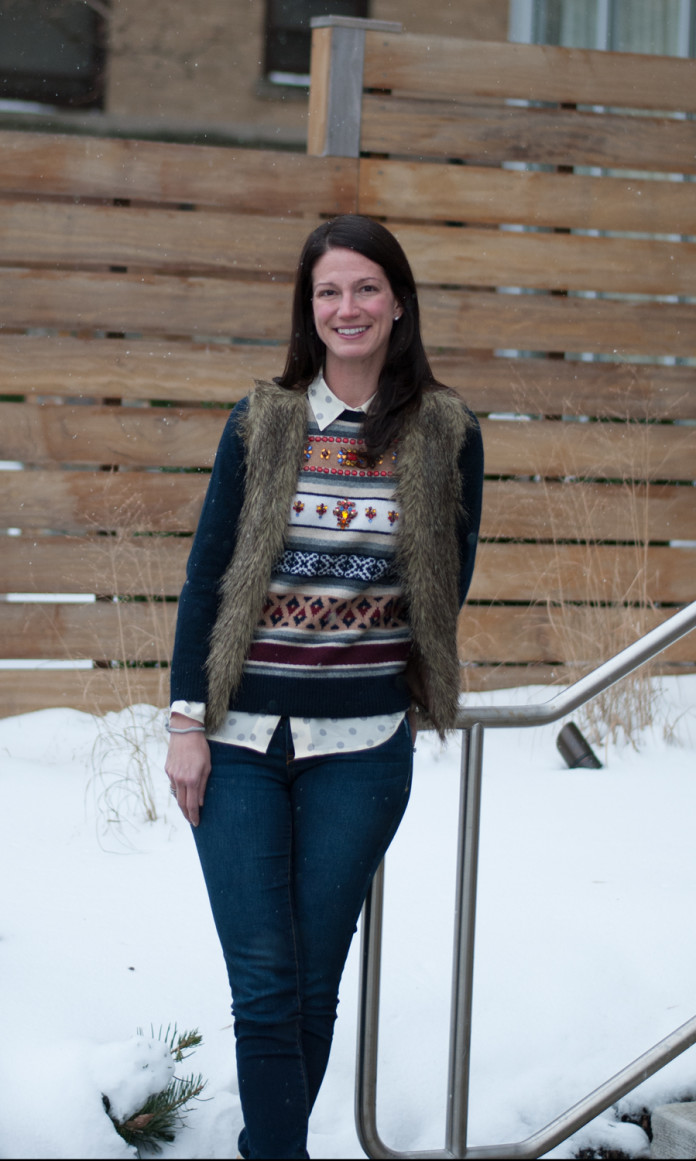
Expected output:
(188, 766)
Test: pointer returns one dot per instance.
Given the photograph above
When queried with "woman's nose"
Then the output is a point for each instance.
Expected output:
(347, 306)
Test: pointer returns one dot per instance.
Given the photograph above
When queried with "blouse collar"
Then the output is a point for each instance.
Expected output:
(325, 405)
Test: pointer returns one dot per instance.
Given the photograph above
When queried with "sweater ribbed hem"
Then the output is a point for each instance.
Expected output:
(322, 696)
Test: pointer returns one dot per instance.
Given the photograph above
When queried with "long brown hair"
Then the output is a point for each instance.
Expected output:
(406, 371)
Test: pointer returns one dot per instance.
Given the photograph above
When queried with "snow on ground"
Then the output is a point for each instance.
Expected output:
(585, 953)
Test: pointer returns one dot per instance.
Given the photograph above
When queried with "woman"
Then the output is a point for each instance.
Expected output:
(334, 551)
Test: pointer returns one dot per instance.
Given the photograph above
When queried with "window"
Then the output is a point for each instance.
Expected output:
(650, 26)
(52, 52)
(289, 35)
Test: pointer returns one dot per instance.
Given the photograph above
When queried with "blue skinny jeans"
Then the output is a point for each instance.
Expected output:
(288, 850)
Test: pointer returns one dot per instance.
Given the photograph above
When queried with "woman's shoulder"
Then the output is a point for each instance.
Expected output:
(269, 406)
(261, 390)
(235, 419)
(264, 399)
(270, 391)
(270, 416)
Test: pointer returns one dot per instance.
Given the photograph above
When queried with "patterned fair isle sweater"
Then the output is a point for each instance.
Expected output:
(334, 607)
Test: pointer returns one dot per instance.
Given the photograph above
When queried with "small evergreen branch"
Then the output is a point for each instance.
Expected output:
(177, 1041)
(189, 1040)
(162, 1113)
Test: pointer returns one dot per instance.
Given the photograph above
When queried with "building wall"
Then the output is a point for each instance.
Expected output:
(179, 65)
(482, 19)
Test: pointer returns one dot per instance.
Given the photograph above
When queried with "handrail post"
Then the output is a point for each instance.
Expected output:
(463, 955)
(368, 1016)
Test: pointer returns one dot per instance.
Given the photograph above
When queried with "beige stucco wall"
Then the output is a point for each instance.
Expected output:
(483, 19)
(175, 63)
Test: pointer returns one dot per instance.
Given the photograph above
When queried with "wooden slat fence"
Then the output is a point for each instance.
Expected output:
(545, 196)
(144, 285)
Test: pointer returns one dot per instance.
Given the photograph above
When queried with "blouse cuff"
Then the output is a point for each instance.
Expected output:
(190, 709)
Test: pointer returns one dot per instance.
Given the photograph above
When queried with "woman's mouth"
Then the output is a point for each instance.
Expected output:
(350, 332)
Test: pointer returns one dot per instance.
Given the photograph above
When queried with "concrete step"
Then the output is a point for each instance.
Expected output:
(674, 1131)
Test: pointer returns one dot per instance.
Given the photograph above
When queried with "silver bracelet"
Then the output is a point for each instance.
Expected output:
(186, 730)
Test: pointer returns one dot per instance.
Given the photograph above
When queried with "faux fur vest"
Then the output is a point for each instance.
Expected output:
(427, 550)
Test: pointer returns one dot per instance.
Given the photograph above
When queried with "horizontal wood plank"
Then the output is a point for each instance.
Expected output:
(55, 234)
(86, 501)
(246, 180)
(538, 322)
(181, 371)
(94, 691)
(143, 632)
(89, 501)
(126, 565)
(208, 306)
(545, 261)
(488, 195)
(186, 437)
(95, 236)
(145, 303)
(133, 436)
(551, 448)
(133, 369)
(554, 511)
(448, 66)
(100, 631)
(571, 387)
(155, 566)
(586, 573)
(494, 134)
(547, 634)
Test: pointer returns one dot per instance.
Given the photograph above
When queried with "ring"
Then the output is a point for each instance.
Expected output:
(172, 791)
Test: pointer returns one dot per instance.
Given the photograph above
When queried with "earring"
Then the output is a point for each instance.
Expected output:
(397, 317)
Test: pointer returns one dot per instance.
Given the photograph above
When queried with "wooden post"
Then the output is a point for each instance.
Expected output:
(335, 98)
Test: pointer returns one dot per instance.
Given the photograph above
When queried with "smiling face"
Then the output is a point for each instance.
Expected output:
(354, 310)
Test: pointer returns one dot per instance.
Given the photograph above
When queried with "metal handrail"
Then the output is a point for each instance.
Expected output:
(473, 721)
(601, 678)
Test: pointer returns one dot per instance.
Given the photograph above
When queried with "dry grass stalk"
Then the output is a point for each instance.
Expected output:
(624, 598)
(124, 779)
(598, 594)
